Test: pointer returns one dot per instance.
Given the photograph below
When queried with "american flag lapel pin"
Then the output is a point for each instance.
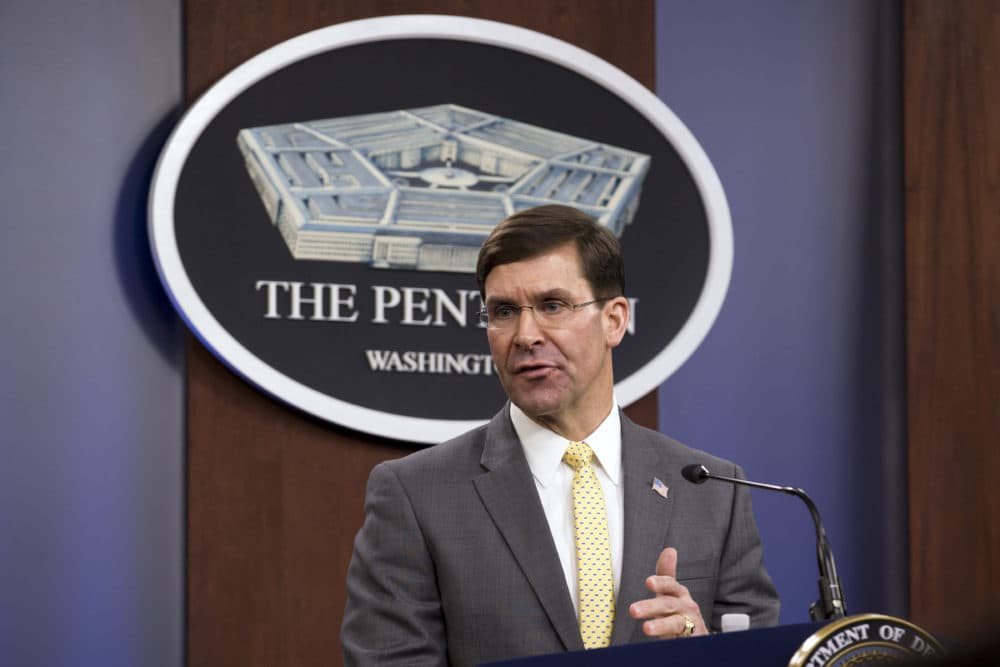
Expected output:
(660, 487)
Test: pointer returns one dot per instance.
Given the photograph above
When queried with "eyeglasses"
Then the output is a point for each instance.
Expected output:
(551, 313)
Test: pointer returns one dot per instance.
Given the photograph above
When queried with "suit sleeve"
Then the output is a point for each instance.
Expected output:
(744, 585)
(393, 614)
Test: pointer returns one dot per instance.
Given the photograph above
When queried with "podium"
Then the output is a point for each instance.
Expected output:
(769, 647)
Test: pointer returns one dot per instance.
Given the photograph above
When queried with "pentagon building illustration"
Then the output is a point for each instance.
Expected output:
(422, 188)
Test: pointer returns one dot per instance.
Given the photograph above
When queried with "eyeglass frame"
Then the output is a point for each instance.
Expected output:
(484, 317)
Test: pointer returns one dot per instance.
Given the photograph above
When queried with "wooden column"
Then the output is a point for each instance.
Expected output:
(952, 198)
(275, 497)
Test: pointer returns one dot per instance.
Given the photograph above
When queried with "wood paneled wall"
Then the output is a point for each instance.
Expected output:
(275, 497)
(951, 98)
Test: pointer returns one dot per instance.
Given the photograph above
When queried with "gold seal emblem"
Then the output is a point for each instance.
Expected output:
(865, 639)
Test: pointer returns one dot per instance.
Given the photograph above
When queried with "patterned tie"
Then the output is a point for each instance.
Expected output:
(594, 580)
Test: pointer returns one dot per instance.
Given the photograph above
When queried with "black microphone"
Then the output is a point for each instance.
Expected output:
(831, 600)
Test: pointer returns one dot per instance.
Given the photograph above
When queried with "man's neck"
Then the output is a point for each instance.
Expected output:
(573, 429)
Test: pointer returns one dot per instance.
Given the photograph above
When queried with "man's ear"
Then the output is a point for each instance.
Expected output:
(616, 316)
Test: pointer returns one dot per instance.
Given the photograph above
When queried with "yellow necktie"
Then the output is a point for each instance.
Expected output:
(594, 580)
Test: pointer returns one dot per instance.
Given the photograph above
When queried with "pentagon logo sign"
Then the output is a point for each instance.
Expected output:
(315, 217)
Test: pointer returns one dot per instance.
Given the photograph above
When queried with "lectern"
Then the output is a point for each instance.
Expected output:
(769, 647)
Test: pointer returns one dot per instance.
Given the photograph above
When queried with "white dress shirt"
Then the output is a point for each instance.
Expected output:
(554, 481)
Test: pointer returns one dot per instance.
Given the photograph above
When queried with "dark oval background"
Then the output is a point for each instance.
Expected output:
(227, 242)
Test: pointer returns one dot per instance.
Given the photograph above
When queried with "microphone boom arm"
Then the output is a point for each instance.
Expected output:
(831, 603)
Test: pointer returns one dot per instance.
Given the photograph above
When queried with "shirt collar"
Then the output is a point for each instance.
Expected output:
(544, 449)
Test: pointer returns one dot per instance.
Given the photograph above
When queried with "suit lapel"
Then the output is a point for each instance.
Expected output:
(647, 515)
(508, 491)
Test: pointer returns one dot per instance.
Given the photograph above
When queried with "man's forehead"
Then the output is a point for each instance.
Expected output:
(551, 274)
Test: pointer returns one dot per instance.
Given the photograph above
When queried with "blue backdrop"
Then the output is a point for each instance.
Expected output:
(801, 378)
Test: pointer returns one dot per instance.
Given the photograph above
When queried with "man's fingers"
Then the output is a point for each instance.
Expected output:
(665, 627)
(661, 605)
(666, 564)
(666, 586)
(664, 615)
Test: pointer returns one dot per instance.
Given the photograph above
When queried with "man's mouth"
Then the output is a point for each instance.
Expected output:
(533, 370)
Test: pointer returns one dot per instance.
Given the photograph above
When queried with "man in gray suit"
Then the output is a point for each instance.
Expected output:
(478, 549)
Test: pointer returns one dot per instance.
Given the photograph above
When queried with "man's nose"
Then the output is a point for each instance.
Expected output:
(528, 332)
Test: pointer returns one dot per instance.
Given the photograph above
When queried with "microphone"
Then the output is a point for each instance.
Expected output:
(831, 600)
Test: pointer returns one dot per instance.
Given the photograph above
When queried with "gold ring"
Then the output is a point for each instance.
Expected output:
(688, 626)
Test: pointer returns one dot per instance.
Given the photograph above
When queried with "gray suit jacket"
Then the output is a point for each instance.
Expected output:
(455, 563)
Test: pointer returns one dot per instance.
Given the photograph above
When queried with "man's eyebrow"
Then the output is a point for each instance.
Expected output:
(555, 293)
(559, 293)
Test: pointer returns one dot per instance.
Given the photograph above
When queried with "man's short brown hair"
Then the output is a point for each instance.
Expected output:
(535, 231)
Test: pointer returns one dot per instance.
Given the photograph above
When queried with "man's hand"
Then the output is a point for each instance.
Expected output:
(668, 612)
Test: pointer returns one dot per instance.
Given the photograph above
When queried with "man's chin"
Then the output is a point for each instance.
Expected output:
(537, 407)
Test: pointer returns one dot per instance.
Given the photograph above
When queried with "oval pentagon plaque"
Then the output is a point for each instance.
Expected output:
(316, 215)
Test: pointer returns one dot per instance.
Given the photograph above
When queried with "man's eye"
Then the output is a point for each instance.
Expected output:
(552, 307)
(503, 312)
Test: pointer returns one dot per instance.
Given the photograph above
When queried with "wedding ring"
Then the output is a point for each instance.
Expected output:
(688, 626)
